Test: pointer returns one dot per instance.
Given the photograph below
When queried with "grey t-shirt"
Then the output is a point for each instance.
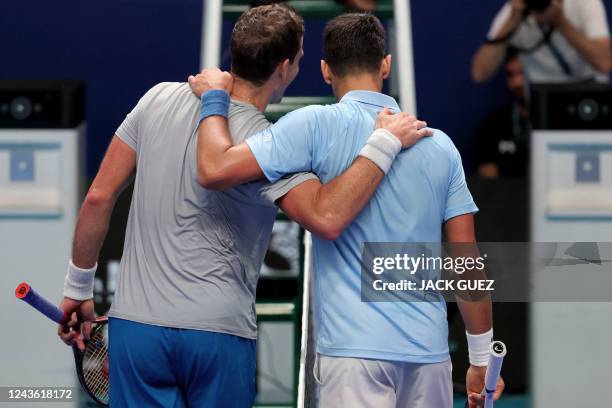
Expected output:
(192, 256)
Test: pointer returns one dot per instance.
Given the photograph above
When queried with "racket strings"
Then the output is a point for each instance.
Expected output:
(94, 376)
(93, 365)
(94, 373)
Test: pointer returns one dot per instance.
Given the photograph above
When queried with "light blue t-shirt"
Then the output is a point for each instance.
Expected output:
(424, 188)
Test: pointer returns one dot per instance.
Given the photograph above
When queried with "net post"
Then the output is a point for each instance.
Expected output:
(307, 265)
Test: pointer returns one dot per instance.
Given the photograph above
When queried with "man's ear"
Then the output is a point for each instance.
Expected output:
(326, 72)
(283, 70)
(385, 67)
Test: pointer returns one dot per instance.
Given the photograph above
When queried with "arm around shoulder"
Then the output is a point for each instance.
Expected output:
(221, 165)
(300, 205)
(328, 209)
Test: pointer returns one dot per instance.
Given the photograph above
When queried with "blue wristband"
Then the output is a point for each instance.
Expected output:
(214, 103)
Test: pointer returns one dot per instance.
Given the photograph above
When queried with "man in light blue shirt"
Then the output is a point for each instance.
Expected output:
(382, 354)
(424, 188)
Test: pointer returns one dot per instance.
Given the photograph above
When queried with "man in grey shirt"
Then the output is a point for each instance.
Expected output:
(182, 327)
(204, 248)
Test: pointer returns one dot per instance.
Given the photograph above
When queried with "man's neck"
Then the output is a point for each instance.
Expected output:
(245, 91)
(364, 82)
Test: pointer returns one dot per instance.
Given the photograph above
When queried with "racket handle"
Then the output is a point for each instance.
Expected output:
(38, 302)
(498, 352)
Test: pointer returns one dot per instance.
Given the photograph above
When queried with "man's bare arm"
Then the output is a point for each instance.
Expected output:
(94, 217)
(489, 57)
(477, 315)
(596, 51)
(327, 209)
(222, 165)
(114, 175)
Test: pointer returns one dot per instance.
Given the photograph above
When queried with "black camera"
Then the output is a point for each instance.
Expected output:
(537, 5)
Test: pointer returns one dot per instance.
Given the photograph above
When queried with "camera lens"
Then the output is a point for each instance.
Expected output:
(588, 109)
(21, 108)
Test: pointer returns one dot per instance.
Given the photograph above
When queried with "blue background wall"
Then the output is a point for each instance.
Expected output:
(123, 47)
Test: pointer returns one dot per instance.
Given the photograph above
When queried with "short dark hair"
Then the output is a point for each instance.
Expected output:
(353, 43)
(263, 37)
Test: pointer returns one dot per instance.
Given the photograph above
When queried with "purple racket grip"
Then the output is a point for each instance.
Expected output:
(29, 295)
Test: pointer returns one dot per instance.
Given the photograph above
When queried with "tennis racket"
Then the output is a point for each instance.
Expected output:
(92, 363)
(497, 352)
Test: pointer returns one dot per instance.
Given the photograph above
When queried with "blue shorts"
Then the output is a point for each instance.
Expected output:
(153, 366)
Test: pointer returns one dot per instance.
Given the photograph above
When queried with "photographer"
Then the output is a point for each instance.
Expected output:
(559, 40)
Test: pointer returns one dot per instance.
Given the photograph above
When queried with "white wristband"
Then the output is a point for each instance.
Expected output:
(381, 148)
(79, 282)
(479, 348)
